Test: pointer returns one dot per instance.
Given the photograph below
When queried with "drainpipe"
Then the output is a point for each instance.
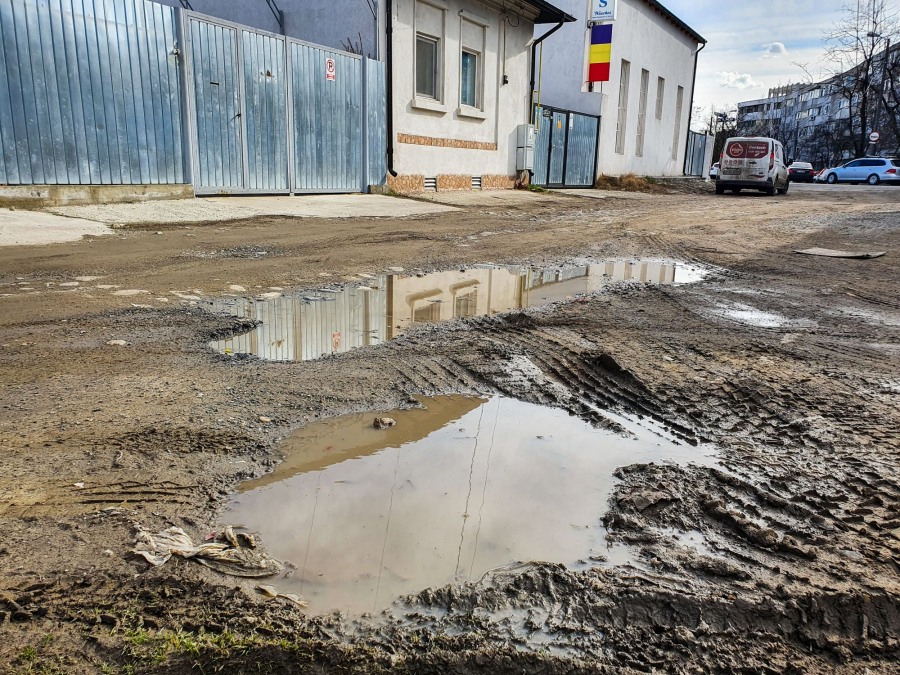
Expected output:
(533, 69)
(691, 108)
(389, 80)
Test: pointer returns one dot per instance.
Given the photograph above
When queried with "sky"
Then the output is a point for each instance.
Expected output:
(754, 44)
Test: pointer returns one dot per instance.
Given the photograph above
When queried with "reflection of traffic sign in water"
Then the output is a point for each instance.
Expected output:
(329, 69)
(874, 137)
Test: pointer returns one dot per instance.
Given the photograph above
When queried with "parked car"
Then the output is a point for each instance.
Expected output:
(714, 171)
(871, 170)
(802, 172)
(753, 163)
(820, 176)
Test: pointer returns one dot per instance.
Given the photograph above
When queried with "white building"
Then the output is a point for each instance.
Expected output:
(645, 106)
(459, 86)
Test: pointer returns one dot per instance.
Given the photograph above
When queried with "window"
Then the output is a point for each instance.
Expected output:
(468, 80)
(642, 114)
(660, 94)
(679, 102)
(623, 107)
(429, 57)
(426, 66)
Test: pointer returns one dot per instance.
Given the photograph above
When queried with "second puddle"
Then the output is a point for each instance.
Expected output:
(468, 485)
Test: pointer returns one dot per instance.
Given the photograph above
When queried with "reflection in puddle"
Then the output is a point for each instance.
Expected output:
(466, 486)
(313, 324)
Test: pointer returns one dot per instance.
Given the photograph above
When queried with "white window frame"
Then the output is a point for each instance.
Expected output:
(463, 110)
(622, 112)
(425, 102)
(479, 79)
(642, 113)
(660, 96)
(437, 66)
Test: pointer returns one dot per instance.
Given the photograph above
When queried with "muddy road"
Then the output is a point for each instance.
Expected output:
(769, 544)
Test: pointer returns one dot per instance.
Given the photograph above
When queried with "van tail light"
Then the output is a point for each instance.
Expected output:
(891, 171)
(771, 161)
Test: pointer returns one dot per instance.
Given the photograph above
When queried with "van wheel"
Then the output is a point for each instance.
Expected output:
(770, 191)
(720, 190)
(784, 190)
(736, 191)
(832, 179)
(873, 179)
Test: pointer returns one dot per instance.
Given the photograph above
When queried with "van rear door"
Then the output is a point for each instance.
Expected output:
(746, 160)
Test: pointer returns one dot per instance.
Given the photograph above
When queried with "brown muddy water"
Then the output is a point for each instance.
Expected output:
(312, 324)
(467, 485)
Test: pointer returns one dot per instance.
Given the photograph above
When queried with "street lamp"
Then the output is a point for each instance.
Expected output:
(884, 70)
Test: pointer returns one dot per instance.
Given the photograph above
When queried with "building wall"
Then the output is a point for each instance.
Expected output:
(441, 138)
(331, 23)
(649, 41)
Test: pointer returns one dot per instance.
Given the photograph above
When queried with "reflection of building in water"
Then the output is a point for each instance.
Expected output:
(303, 327)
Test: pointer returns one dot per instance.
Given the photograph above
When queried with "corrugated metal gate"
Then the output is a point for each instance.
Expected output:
(326, 97)
(218, 149)
(91, 93)
(565, 148)
(115, 91)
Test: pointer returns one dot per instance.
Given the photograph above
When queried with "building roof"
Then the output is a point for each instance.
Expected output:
(658, 6)
(548, 13)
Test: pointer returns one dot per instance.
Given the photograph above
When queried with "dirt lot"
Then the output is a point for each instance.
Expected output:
(790, 364)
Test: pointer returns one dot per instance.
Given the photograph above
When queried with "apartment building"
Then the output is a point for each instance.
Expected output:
(820, 122)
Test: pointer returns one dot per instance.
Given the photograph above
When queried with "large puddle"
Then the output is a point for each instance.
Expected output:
(466, 486)
(312, 324)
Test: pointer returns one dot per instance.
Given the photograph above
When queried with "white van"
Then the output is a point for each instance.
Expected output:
(753, 163)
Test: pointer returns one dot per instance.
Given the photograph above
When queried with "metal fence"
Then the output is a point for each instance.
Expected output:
(565, 148)
(133, 92)
(697, 155)
(90, 93)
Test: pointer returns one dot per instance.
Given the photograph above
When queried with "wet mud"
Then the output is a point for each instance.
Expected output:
(777, 553)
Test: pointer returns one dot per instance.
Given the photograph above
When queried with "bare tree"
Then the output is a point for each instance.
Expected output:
(852, 47)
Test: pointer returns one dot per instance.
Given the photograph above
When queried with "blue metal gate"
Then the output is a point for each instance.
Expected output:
(326, 97)
(565, 148)
(91, 93)
(219, 161)
(133, 92)
(265, 116)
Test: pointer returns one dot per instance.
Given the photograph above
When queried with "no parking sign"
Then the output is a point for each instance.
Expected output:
(329, 69)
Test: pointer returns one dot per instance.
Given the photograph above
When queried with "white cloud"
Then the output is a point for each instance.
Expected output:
(774, 50)
(735, 80)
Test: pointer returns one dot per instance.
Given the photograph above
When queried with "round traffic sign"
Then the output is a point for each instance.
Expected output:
(874, 136)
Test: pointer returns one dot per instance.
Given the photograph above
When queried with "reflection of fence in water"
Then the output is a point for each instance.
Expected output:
(298, 328)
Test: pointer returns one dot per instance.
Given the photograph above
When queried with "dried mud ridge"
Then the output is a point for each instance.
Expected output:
(797, 571)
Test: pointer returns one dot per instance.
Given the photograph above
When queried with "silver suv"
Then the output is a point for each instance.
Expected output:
(871, 170)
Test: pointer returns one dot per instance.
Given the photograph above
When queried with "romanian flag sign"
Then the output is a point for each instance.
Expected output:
(598, 61)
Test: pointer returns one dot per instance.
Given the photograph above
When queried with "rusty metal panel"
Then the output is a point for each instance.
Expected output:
(327, 119)
(92, 93)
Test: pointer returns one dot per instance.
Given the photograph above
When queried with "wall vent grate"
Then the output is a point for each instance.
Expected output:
(476, 182)
(431, 184)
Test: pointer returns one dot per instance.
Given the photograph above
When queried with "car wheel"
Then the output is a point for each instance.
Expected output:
(873, 179)
(736, 191)
(832, 179)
